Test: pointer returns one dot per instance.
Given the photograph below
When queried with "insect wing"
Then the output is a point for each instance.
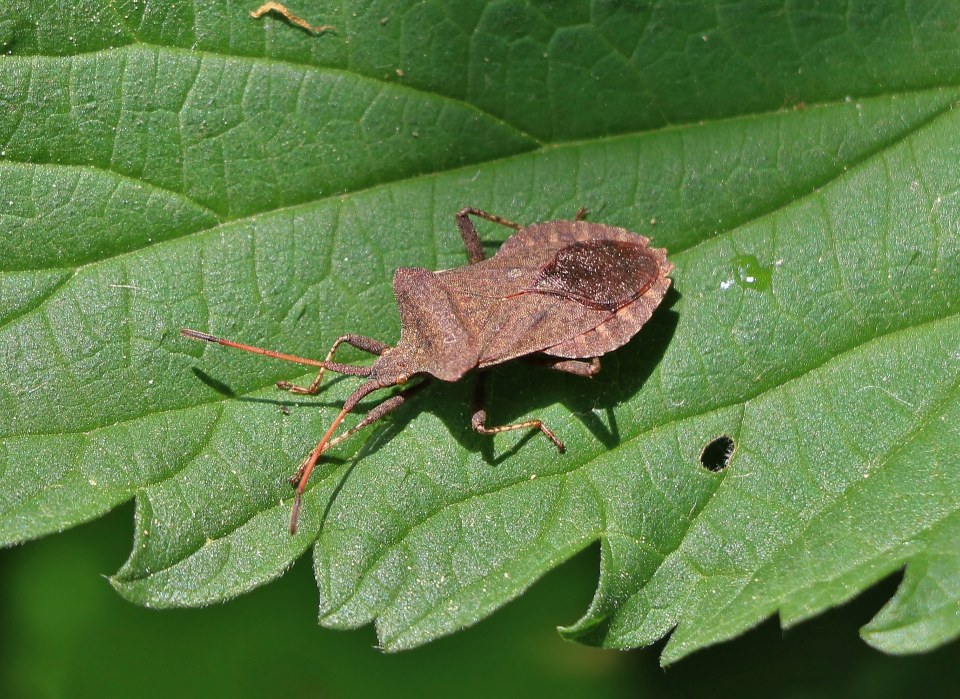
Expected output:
(597, 286)
(603, 274)
(626, 278)
(567, 288)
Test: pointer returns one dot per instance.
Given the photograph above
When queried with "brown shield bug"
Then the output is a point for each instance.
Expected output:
(561, 293)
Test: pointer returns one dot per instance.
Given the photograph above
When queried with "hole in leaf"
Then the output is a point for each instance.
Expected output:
(716, 455)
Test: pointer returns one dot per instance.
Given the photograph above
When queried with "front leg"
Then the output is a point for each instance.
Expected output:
(367, 344)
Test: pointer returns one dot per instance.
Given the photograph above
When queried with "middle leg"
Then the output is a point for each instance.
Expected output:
(300, 478)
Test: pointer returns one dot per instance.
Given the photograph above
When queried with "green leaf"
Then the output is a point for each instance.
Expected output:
(166, 166)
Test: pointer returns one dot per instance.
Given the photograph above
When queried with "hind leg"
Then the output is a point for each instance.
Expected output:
(478, 420)
(469, 232)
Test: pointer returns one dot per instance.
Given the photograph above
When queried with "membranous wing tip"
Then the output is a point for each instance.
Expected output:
(603, 274)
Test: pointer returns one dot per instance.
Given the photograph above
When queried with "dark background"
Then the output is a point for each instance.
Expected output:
(68, 634)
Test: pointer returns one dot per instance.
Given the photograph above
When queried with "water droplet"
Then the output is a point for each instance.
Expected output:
(750, 274)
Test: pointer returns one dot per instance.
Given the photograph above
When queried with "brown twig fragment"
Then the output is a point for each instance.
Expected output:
(289, 16)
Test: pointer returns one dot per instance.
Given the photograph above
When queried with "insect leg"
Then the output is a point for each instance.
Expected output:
(479, 419)
(306, 468)
(570, 366)
(469, 233)
(381, 410)
(581, 214)
(359, 341)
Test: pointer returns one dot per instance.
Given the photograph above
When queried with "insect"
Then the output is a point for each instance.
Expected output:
(560, 293)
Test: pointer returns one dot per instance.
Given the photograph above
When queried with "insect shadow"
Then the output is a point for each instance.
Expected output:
(624, 373)
(227, 392)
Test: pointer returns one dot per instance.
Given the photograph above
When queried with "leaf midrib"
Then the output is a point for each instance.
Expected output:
(542, 148)
(200, 54)
(732, 224)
